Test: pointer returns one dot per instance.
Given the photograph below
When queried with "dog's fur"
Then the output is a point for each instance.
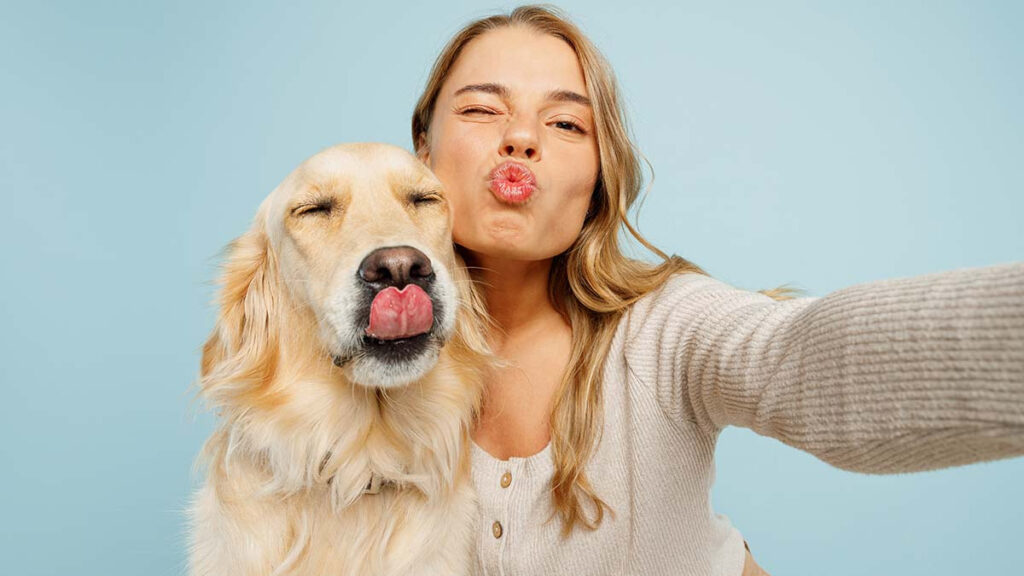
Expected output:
(309, 414)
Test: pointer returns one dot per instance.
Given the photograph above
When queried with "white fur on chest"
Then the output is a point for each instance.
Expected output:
(398, 531)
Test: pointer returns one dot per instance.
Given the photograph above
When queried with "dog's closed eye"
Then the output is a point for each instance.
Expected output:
(318, 207)
(425, 198)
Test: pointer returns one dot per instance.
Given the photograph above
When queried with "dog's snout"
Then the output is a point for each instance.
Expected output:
(396, 266)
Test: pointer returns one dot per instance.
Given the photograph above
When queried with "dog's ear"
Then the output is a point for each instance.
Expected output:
(240, 357)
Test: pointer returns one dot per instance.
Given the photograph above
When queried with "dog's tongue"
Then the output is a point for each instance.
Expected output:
(401, 313)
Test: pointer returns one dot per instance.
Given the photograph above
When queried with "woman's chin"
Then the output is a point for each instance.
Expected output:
(496, 233)
(498, 250)
(511, 237)
(502, 248)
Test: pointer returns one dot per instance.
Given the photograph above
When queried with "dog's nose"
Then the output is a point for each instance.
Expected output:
(395, 266)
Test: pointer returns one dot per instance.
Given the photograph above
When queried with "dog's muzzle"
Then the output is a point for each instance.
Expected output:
(399, 310)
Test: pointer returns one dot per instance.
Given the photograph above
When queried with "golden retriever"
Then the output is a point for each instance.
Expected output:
(345, 368)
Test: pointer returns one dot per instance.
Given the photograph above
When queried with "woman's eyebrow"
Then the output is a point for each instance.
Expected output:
(568, 96)
(489, 88)
(504, 93)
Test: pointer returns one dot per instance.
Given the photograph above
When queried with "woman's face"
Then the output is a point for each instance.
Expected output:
(515, 98)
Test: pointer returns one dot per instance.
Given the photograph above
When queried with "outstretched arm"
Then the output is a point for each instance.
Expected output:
(898, 375)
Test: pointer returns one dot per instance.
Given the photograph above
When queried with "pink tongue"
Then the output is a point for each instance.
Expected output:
(401, 313)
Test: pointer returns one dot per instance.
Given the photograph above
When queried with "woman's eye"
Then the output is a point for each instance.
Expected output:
(569, 126)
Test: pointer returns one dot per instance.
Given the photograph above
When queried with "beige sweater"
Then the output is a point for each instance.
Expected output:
(891, 376)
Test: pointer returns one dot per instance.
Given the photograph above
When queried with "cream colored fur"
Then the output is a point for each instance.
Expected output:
(300, 438)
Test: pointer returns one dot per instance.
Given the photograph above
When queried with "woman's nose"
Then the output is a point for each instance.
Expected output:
(521, 140)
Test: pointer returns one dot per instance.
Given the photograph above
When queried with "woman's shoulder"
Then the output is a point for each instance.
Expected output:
(684, 292)
(685, 304)
(664, 329)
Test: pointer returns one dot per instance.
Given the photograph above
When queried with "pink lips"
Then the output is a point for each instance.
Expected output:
(512, 182)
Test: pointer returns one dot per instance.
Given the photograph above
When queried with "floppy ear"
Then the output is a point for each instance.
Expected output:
(240, 357)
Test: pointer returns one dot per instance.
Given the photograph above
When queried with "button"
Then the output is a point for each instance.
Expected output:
(506, 479)
(496, 529)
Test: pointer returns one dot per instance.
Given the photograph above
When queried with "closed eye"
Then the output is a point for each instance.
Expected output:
(420, 199)
(321, 207)
(477, 110)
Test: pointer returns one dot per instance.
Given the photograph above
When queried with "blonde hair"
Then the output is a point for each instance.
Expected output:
(593, 282)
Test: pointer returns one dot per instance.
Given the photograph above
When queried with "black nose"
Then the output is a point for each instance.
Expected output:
(395, 266)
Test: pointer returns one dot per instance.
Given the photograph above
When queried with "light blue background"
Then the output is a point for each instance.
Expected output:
(821, 144)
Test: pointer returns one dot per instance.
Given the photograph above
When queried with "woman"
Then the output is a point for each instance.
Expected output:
(593, 452)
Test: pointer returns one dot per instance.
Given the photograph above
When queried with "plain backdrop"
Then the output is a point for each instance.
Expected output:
(818, 144)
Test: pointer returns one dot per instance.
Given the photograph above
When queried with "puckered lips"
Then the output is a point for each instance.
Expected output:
(512, 182)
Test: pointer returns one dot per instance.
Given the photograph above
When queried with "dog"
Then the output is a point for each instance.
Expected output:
(345, 368)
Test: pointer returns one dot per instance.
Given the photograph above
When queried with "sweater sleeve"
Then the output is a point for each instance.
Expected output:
(898, 375)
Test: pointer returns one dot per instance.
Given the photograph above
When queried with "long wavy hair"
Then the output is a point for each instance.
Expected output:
(593, 282)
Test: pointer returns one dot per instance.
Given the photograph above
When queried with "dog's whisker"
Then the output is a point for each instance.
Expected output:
(484, 268)
(475, 281)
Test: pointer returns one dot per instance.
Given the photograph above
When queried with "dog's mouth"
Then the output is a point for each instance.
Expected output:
(393, 351)
(397, 349)
(398, 325)
(401, 319)
(400, 314)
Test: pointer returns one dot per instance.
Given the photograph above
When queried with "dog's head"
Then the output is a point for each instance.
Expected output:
(350, 258)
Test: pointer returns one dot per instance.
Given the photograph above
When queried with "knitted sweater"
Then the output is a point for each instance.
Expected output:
(897, 375)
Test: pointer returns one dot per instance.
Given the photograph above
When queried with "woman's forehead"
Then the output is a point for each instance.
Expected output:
(520, 59)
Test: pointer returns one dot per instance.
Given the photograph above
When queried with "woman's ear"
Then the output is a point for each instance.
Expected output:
(422, 150)
(240, 356)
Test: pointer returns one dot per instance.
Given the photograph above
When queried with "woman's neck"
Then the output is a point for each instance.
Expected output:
(516, 292)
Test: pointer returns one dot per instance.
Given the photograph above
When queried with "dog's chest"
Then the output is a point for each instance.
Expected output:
(392, 531)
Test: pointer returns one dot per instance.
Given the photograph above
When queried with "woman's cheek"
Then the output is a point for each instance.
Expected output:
(566, 230)
(568, 222)
(458, 222)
